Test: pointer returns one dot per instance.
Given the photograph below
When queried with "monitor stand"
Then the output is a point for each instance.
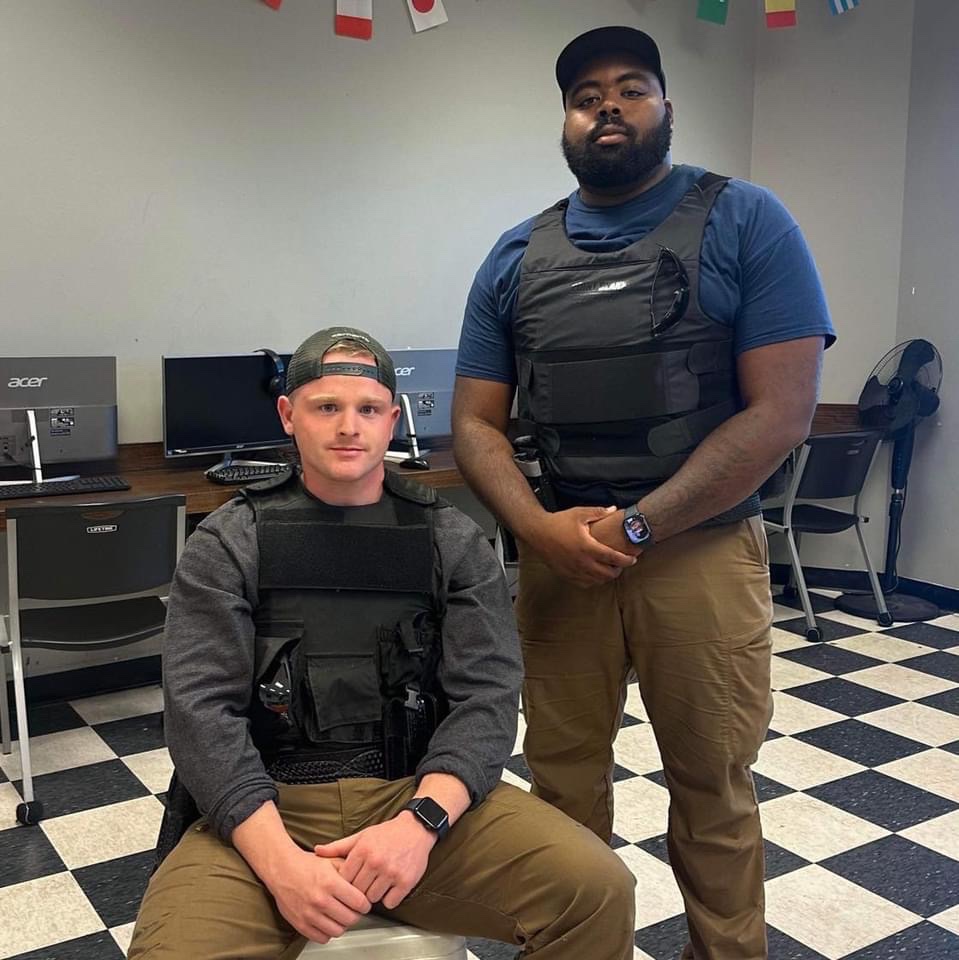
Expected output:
(412, 455)
(35, 465)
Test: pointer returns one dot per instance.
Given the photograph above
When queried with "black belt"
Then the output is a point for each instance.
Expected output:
(310, 767)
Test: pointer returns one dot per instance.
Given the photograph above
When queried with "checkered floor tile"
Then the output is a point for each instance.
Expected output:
(858, 785)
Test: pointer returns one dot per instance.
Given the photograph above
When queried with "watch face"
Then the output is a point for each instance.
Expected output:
(431, 812)
(636, 527)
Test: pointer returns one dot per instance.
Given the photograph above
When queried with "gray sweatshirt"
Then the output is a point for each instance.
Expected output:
(208, 665)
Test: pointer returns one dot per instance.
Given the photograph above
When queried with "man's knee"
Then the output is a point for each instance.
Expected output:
(607, 881)
(588, 879)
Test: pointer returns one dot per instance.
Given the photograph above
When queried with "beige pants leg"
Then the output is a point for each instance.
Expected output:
(576, 662)
(692, 618)
(513, 869)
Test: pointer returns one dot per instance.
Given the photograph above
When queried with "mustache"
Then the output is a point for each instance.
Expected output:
(605, 126)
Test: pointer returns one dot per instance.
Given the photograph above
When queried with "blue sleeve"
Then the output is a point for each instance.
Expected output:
(486, 340)
(782, 296)
(772, 292)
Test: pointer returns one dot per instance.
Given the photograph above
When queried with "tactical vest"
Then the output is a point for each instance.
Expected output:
(348, 623)
(618, 367)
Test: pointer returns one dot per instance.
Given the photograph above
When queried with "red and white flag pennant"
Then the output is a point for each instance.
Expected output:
(426, 14)
(354, 18)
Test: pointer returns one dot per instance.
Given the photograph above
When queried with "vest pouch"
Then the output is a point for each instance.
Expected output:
(336, 697)
(407, 655)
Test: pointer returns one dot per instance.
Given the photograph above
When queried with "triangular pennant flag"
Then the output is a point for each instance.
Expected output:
(354, 18)
(275, 4)
(713, 10)
(780, 13)
(426, 13)
(842, 6)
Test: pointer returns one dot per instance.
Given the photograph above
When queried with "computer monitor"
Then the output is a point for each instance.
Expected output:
(426, 377)
(220, 404)
(74, 405)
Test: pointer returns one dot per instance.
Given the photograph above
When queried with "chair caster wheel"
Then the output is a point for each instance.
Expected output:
(814, 635)
(30, 814)
(790, 592)
(885, 619)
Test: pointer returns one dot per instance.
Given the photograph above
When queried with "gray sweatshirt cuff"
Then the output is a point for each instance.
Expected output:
(239, 804)
(463, 769)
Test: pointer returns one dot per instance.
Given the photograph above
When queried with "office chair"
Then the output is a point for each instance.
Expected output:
(84, 576)
(829, 466)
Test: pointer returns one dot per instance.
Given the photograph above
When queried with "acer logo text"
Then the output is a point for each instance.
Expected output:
(404, 371)
(17, 382)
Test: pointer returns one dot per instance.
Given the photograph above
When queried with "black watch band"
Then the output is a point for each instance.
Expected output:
(430, 814)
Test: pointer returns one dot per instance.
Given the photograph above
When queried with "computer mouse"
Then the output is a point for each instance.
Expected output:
(415, 463)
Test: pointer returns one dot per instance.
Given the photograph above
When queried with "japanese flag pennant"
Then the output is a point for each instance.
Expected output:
(426, 13)
(354, 18)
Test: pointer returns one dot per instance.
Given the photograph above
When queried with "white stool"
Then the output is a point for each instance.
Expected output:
(376, 938)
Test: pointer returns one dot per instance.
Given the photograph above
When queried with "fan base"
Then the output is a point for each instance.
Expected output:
(902, 608)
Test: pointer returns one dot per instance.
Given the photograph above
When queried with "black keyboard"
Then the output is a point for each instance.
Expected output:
(61, 488)
(246, 474)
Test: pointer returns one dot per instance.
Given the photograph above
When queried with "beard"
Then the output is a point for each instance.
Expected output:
(620, 165)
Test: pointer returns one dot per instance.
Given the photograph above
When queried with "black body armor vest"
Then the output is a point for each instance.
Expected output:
(347, 632)
(618, 367)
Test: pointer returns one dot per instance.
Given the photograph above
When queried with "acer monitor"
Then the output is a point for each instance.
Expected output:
(426, 376)
(74, 405)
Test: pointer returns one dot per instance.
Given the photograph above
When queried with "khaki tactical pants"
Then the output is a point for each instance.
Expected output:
(512, 869)
(692, 620)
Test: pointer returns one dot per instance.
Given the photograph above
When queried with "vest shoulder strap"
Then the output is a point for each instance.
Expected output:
(408, 489)
(266, 487)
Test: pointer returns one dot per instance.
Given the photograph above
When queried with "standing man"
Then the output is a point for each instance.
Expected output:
(341, 675)
(663, 328)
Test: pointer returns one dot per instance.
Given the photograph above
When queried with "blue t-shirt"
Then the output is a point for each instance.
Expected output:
(757, 274)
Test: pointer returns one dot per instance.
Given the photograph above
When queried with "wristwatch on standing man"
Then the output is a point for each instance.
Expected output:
(636, 527)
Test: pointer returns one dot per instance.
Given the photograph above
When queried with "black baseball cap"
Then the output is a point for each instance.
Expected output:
(594, 43)
(307, 364)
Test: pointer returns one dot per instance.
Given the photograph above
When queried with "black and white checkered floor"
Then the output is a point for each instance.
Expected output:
(858, 783)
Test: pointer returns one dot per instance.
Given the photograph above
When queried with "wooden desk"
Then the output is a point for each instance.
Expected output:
(149, 473)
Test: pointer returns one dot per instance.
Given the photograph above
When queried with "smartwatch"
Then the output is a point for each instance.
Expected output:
(430, 814)
(636, 527)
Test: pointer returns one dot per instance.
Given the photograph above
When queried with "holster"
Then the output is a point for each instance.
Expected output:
(529, 463)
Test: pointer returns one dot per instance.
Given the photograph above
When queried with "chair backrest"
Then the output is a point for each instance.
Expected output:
(94, 550)
(836, 464)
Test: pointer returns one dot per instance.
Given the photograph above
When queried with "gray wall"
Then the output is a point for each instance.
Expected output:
(184, 176)
(929, 287)
(831, 113)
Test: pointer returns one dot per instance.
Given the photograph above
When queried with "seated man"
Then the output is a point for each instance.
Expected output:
(341, 673)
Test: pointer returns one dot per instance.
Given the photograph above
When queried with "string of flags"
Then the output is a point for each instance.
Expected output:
(354, 18)
(779, 13)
